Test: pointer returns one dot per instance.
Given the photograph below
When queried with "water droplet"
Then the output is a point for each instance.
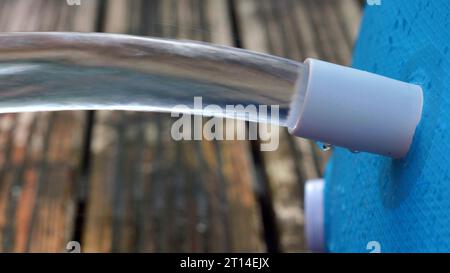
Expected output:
(324, 146)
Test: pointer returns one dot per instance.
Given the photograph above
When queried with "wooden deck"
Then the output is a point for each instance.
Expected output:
(117, 182)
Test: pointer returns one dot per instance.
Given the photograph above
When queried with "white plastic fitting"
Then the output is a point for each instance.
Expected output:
(355, 109)
(314, 215)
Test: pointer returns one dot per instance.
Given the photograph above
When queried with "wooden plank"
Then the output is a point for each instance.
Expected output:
(123, 163)
(12, 174)
(43, 151)
(226, 166)
(272, 27)
(280, 11)
(28, 193)
(181, 200)
(253, 36)
(219, 22)
(53, 219)
(109, 224)
(335, 32)
(349, 12)
(304, 29)
(247, 230)
(280, 164)
(137, 210)
(321, 36)
(296, 30)
(8, 127)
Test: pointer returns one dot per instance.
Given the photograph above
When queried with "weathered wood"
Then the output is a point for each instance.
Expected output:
(262, 18)
(296, 30)
(162, 195)
(350, 14)
(109, 214)
(42, 157)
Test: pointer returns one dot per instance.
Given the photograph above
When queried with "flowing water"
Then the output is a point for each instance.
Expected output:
(75, 71)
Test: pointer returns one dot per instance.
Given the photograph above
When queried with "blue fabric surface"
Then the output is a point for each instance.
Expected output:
(402, 204)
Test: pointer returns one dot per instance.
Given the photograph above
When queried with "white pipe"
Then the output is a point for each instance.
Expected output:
(355, 109)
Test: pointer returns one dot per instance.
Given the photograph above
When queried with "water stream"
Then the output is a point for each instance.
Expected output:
(81, 71)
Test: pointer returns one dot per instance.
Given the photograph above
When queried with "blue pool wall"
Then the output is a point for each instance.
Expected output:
(404, 205)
